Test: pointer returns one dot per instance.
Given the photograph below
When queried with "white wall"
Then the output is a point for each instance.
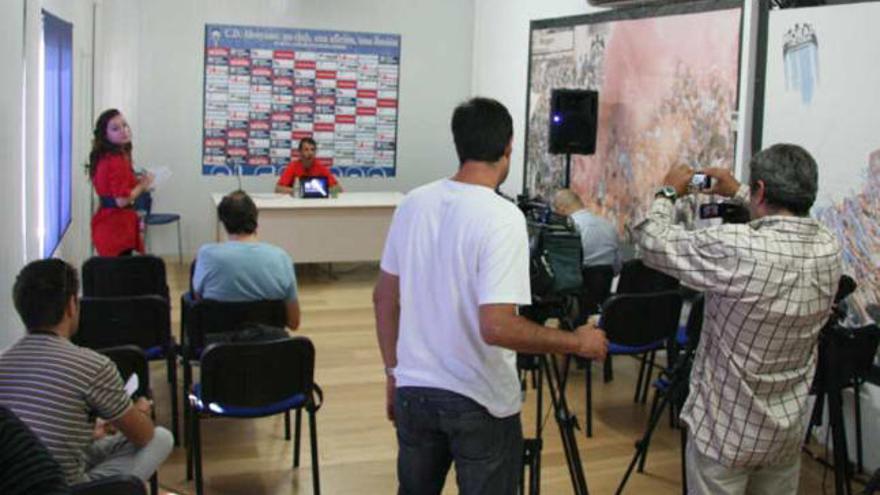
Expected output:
(11, 79)
(20, 31)
(501, 60)
(435, 76)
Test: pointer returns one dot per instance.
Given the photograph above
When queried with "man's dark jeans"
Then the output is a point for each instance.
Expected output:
(436, 427)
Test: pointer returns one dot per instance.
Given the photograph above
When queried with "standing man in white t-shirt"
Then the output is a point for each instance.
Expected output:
(454, 269)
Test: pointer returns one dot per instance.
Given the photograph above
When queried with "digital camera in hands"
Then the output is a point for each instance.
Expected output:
(701, 182)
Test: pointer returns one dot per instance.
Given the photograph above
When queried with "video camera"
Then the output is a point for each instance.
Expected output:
(727, 212)
(555, 252)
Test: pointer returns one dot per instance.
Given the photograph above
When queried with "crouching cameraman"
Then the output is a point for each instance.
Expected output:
(769, 286)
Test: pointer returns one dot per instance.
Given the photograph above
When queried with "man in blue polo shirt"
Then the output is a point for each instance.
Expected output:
(243, 268)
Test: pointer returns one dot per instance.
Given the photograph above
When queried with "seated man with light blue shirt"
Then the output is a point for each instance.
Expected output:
(598, 236)
(243, 268)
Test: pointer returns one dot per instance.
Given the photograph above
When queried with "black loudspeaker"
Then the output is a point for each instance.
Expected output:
(573, 117)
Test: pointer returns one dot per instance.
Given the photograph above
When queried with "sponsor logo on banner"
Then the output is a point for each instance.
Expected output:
(256, 161)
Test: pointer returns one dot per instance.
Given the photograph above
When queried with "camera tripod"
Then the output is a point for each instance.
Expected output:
(677, 381)
(546, 367)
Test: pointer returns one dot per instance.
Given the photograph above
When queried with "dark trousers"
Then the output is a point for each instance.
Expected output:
(436, 427)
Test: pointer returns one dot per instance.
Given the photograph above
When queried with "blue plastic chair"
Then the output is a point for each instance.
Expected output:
(145, 203)
(635, 324)
(143, 321)
(253, 380)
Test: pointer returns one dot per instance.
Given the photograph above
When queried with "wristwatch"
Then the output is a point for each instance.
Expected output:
(667, 192)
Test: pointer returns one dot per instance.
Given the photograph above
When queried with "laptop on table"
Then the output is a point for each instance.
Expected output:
(314, 187)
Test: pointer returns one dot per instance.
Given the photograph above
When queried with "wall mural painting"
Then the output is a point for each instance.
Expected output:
(667, 80)
(817, 98)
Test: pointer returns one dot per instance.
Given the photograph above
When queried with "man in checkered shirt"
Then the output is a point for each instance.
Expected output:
(769, 286)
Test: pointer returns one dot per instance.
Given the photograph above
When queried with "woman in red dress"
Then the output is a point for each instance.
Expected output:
(115, 226)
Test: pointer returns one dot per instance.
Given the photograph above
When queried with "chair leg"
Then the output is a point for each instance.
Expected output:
(287, 425)
(179, 245)
(172, 374)
(608, 369)
(197, 450)
(188, 443)
(649, 371)
(684, 481)
(641, 378)
(588, 378)
(154, 484)
(654, 403)
(296, 438)
(187, 384)
(313, 440)
(187, 419)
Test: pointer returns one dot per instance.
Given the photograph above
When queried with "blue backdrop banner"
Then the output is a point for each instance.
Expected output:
(267, 88)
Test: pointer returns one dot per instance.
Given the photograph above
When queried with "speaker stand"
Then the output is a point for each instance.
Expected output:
(566, 183)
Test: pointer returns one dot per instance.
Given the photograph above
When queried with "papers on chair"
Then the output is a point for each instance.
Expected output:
(132, 385)
(160, 175)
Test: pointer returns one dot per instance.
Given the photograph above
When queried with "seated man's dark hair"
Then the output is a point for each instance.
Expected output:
(238, 213)
(306, 140)
(482, 129)
(790, 176)
(41, 292)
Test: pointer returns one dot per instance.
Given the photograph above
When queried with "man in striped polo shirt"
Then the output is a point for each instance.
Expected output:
(58, 389)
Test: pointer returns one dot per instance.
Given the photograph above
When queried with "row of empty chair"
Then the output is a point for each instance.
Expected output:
(126, 312)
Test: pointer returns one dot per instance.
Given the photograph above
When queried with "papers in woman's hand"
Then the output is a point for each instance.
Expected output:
(160, 175)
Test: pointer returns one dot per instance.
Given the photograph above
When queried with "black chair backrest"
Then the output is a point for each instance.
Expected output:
(636, 278)
(596, 288)
(209, 316)
(254, 374)
(113, 485)
(641, 319)
(106, 276)
(144, 321)
(129, 360)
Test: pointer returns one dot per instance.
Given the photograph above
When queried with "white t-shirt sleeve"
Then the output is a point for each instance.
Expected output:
(503, 265)
(390, 262)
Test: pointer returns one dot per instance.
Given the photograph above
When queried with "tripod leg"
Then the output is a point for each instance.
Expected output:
(566, 423)
(642, 444)
(654, 408)
(815, 417)
(838, 434)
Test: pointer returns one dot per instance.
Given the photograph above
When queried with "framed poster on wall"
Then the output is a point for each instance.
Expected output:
(266, 88)
(667, 78)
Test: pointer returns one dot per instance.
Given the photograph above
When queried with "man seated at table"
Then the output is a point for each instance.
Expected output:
(242, 268)
(306, 166)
